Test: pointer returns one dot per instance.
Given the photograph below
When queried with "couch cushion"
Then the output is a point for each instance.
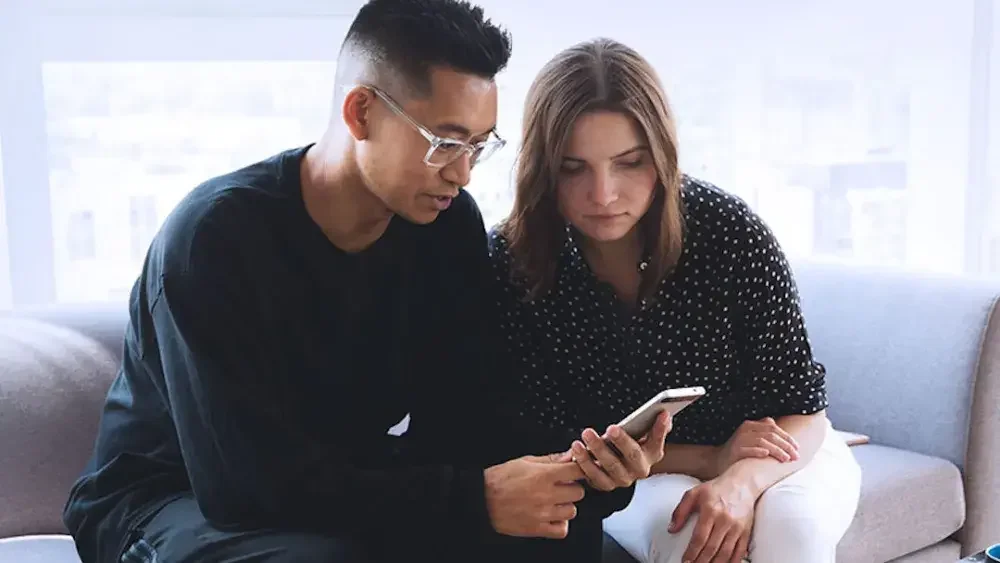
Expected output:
(103, 322)
(947, 551)
(52, 384)
(39, 549)
(908, 501)
(900, 349)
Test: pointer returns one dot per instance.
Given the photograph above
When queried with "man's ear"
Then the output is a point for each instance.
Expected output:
(355, 112)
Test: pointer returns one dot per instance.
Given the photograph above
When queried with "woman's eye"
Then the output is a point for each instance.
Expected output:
(632, 163)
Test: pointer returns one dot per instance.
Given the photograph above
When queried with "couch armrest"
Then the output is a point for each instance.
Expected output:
(982, 464)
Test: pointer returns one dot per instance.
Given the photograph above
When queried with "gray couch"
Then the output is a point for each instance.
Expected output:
(914, 362)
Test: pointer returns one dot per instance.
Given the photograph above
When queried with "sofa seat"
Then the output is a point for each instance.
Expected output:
(39, 549)
(898, 490)
(908, 501)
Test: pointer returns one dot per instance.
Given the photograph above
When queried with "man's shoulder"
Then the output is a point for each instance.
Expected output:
(230, 209)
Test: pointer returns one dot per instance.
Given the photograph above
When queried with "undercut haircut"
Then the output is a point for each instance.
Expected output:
(394, 44)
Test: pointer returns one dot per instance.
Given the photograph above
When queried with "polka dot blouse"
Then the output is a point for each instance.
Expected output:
(727, 318)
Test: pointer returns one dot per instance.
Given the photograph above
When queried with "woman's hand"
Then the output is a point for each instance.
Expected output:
(756, 439)
(725, 510)
(605, 470)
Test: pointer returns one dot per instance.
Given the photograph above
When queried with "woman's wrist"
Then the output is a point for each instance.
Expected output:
(746, 476)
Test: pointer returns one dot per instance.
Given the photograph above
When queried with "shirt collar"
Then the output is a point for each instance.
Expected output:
(571, 250)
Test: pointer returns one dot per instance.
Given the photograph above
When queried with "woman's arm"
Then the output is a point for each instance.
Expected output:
(689, 459)
(760, 474)
(785, 380)
(754, 439)
(785, 386)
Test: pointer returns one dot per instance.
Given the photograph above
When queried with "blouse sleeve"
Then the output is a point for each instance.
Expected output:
(785, 379)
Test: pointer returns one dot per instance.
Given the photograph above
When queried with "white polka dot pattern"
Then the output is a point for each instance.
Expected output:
(728, 319)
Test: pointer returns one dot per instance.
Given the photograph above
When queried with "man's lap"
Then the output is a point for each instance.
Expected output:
(179, 533)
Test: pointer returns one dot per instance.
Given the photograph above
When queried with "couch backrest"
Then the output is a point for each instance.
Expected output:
(53, 381)
(901, 351)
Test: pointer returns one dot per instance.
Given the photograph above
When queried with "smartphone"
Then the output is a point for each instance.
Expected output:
(641, 421)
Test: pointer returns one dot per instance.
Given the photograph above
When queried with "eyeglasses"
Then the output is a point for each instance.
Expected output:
(443, 151)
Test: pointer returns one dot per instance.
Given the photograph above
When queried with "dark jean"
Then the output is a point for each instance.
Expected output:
(179, 533)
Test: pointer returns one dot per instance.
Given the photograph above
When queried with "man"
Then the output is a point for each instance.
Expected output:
(289, 313)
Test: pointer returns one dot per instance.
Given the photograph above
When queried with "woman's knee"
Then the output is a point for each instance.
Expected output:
(642, 528)
(653, 503)
(795, 523)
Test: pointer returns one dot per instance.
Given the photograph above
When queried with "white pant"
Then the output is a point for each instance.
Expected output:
(800, 519)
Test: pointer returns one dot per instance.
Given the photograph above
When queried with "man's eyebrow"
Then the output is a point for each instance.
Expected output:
(453, 128)
(461, 130)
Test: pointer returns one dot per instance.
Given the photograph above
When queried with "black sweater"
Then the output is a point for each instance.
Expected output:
(263, 366)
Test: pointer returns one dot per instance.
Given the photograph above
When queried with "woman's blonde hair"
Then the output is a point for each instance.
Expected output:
(597, 75)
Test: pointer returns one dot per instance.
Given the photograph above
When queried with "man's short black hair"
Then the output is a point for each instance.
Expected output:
(405, 38)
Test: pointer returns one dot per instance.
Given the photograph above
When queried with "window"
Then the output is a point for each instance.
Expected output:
(143, 223)
(853, 150)
(863, 132)
(5, 299)
(127, 140)
(80, 236)
(992, 152)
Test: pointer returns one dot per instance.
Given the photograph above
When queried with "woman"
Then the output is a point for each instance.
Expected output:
(623, 277)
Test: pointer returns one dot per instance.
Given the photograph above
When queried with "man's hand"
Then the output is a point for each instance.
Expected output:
(725, 519)
(756, 439)
(533, 496)
(605, 470)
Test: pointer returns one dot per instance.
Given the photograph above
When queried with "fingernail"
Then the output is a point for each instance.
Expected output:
(614, 431)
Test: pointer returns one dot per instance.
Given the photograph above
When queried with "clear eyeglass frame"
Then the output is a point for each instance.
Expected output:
(442, 151)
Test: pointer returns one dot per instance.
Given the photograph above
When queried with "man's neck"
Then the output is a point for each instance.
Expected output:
(338, 200)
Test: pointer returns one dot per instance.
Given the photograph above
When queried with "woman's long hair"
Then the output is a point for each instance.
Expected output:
(598, 75)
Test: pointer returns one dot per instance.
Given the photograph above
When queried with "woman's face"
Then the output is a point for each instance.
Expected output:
(607, 177)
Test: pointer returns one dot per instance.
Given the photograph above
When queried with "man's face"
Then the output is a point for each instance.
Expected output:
(462, 107)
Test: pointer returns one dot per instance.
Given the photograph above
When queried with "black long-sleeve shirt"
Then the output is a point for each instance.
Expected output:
(263, 367)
